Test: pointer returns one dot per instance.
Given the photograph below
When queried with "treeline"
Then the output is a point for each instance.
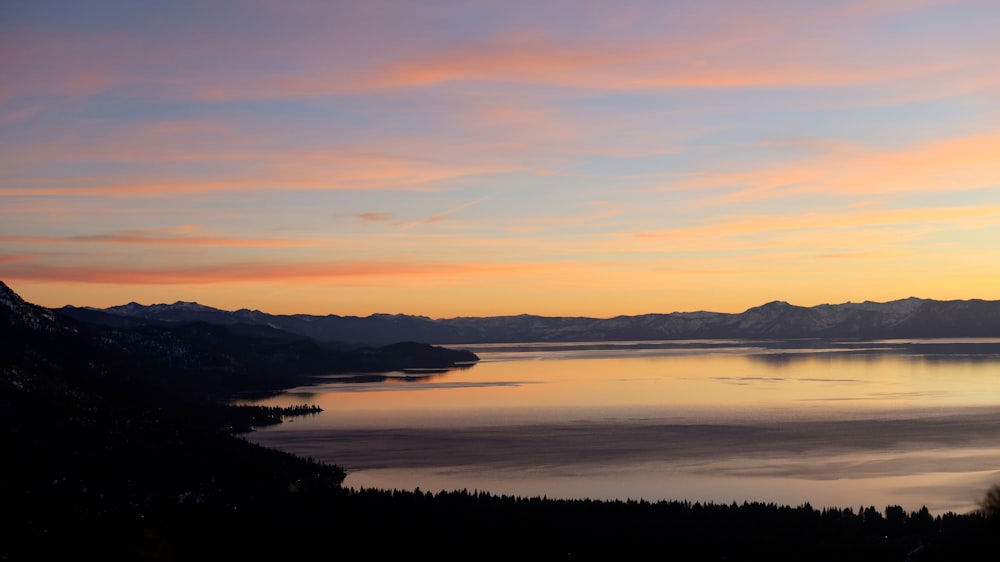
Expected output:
(245, 417)
(637, 529)
(328, 523)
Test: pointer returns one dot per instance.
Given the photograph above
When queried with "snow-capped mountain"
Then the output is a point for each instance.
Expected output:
(217, 350)
(911, 317)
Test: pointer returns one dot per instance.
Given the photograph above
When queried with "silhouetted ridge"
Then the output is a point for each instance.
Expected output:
(910, 317)
(101, 438)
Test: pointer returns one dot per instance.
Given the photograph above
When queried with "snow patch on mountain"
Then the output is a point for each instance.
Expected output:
(18, 311)
(910, 317)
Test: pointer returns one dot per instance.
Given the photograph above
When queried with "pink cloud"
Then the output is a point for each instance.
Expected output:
(13, 258)
(374, 217)
(719, 47)
(184, 236)
(442, 216)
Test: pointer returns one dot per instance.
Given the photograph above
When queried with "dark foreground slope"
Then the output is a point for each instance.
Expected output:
(100, 443)
(111, 455)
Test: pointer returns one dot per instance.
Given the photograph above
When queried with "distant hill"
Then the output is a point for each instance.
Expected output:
(912, 317)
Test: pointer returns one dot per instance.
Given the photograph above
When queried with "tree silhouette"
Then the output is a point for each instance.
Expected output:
(990, 504)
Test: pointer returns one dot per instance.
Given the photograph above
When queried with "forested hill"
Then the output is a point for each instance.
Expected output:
(101, 441)
(906, 318)
(238, 356)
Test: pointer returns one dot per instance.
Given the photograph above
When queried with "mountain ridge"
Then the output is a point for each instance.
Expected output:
(908, 317)
(220, 357)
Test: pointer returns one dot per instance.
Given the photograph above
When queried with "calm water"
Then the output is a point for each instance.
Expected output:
(849, 424)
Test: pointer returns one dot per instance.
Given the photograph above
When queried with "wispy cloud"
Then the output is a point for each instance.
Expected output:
(949, 165)
(739, 227)
(276, 170)
(255, 272)
(636, 67)
(189, 235)
(12, 258)
(847, 171)
(442, 216)
(374, 217)
(703, 46)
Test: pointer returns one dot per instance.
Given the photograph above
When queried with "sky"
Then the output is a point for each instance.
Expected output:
(478, 158)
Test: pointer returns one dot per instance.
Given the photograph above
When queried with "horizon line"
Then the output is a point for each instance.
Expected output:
(374, 314)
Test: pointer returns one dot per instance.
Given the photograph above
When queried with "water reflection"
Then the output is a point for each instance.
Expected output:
(907, 422)
(414, 375)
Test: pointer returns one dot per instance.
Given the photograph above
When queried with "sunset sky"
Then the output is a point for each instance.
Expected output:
(476, 158)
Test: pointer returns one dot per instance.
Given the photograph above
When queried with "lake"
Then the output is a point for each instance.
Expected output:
(834, 423)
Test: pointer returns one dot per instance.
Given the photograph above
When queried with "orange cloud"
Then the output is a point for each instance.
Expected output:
(740, 227)
(735, 52)
(235, 272)
(872, 255)
(944, 166)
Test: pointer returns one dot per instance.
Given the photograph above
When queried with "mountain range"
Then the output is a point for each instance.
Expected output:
(905, 318)
(218, 356)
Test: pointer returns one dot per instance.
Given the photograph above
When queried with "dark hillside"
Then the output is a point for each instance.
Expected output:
(237, 358)
(98, 439)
